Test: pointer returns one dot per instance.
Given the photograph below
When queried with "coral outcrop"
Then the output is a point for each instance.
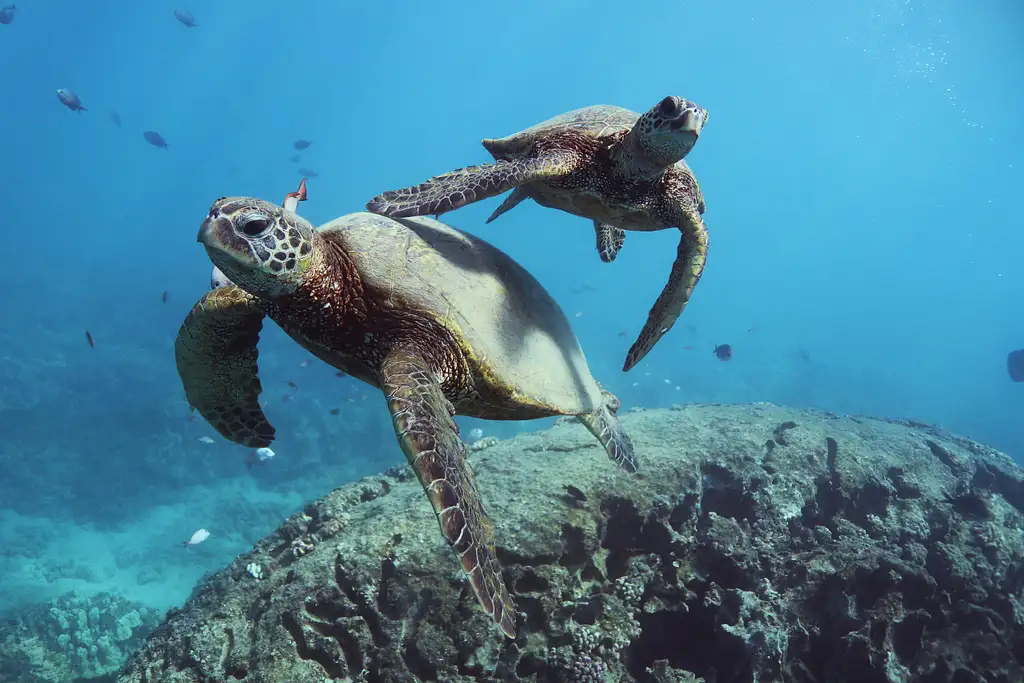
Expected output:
(757, 544)
(72, 638)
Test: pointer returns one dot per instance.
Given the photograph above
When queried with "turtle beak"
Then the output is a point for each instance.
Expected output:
(211, 232)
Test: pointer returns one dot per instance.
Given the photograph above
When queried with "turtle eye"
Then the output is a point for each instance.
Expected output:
(669, 106)
(254, 227)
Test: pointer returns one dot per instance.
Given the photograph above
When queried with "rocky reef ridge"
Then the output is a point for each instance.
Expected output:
(757, 544)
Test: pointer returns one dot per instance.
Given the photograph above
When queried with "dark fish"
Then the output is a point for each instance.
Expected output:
(302, 144)
(115, 118)
(804, 356)
(88, 338)
(335, 411)
(308, 173)
(7, 14)
(1015, 365)
(155, 139)
(164, 297)
(339, 374)
(70, 100)
(293, 385)
(295, 158)
(723, 351)
(185, 18)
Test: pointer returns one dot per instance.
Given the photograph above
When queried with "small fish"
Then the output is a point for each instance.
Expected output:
(205, 439)
(804, 356)
(7, 14)
(309, 173)
(191, 418)
(287, 397)
(723, 351)
(304, 364)
(88, 338)
(1015, 365)
(258, 457)
(302, 144)
(476, 434)
(155, 139)
(688, 347)
(185, 18)
(339, 373)
(295, 158)
(292, 384)
(219, 279)
(70, 100)
(335, 411)
(115, 118)
(623, 333)
(163, 297)
(198, 537)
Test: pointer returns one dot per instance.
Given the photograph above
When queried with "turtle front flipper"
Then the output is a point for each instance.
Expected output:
(686, 271)
(604, 424)
(511, 201)
(463, 186)
(609, 240)
(216, 355)
(430, 439)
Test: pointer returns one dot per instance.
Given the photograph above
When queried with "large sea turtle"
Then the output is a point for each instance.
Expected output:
(620, 169)
(440, 321)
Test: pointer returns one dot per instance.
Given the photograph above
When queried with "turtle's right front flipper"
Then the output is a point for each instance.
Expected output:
(430, 439)
(463, 186)
(216, 355)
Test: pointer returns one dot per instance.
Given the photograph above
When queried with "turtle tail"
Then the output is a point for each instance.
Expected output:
(604, 424)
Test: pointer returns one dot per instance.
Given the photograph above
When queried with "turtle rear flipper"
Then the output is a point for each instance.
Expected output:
(216, 354)
(609, 240)
(691, 256)
(512, 201)
(429, 437)
(463, 186)
(604, 424)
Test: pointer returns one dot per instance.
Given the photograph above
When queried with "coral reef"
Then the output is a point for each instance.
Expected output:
(72, 638)
(757, 544)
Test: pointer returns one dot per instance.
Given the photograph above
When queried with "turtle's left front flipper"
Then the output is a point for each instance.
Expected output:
(430, 439)
(216, 354)
(604, 424)
(691, 256)
(463, 186)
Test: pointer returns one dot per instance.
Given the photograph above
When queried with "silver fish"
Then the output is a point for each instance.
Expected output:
(218, 279)
(70, 100)
(185, 18)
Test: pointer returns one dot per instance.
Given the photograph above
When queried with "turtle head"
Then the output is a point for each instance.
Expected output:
(668, 131)
(263, 248)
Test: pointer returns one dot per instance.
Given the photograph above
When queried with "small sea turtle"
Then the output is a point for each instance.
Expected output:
(440, 321)
(620, 169)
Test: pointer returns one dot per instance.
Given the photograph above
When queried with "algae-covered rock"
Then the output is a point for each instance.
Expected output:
(757, 544)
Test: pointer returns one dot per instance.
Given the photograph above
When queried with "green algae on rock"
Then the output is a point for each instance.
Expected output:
(849, 549)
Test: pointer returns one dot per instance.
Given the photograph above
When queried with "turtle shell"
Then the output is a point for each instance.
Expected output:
(597, 120)
(510, 328)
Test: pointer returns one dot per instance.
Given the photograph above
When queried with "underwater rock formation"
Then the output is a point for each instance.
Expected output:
(757, 544)
(72, 638)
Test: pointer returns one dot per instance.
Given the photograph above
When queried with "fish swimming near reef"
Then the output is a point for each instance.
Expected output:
(70, 100)
(197, 538)
(155, 139)
(185, 17)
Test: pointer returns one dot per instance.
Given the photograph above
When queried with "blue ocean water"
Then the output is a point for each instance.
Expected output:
(861, 167)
